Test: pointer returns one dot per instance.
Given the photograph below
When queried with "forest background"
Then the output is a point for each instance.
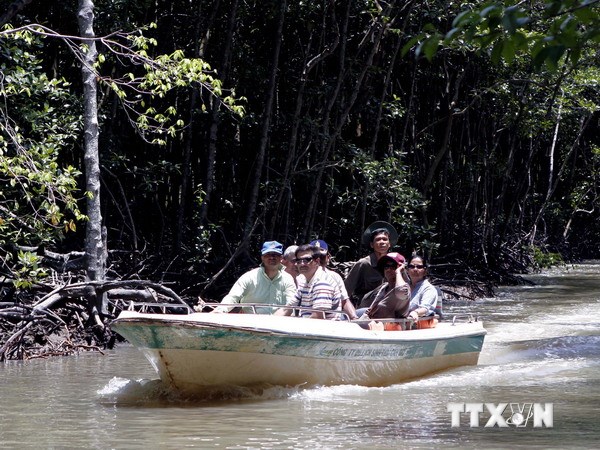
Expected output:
(470, 126)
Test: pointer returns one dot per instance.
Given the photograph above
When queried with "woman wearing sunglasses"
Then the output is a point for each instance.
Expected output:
(423, 295)
(392, 298)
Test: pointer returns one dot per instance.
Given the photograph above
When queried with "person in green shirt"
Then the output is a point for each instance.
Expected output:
(268, 283)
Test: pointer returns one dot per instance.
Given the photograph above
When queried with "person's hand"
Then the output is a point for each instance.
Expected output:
(413, 315)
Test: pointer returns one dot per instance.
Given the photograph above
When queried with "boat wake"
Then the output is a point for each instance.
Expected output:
(149, 393)
(522, 373)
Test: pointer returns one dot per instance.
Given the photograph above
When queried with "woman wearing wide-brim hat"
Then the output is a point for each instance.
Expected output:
(364, 276)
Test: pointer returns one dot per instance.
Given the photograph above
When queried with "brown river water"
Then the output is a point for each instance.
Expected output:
(542, 347)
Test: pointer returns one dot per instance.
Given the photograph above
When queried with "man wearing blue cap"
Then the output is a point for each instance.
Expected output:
(268, 283)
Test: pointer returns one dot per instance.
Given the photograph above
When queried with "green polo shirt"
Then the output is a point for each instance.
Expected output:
(256, 287)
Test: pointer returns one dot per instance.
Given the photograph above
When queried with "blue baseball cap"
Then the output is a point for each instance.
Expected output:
(272, 247)
(320, 244)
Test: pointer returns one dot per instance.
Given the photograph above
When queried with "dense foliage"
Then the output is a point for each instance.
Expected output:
(353, 111)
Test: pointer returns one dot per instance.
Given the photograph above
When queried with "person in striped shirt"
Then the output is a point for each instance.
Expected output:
(325, 258)
(317, 289)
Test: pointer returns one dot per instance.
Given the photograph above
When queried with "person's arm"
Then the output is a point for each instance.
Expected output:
(401, 296)
(347, 305)
(400, 274)
(290, 291)
(235, 295)
(349, 309)
(283, 312)
(401, 289)
(293, 299)
(427, 302)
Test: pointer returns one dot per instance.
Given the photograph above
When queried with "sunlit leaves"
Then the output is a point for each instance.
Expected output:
(143, 92)
(28, 270)
(148, 79)
(550, 35)
(40, 120)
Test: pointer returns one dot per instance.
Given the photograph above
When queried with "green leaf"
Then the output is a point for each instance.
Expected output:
(410, 44)
(508, 50)
(467, 17)
(490, 9)
(497, 52)
(586, 15)
(429, 47)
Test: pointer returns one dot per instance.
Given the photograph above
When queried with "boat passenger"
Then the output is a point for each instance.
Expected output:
(316, 288)
(325, 259)
(392, 299)
(364, 277)
(289, 255)
(425, 298)
(268, 283)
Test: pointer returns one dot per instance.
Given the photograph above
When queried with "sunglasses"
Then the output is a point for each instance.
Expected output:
(416, 266)
(390, 266)
(306, 260)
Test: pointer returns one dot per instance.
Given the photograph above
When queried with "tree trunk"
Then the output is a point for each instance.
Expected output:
(309, 65)
(377, 125)
(343, 40)
(584, 122)
(186, 177)
(214, 125)
(266, 124)
(446, 139)
(94, 244)
(374, 35)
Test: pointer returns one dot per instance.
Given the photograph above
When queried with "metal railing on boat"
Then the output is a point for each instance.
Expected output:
(341, 315)
(152, 307)
(256, 308)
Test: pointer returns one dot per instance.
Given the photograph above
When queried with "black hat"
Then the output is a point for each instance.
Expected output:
(378, 227)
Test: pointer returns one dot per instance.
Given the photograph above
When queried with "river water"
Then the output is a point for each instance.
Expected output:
(543, 346)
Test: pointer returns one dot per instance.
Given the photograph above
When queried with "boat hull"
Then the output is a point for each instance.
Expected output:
(200, 350)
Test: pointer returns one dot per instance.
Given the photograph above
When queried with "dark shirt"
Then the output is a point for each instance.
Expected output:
(390, 302)
(363, 278)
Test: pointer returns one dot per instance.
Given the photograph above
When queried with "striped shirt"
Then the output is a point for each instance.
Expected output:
(339, 282)
(321, 293)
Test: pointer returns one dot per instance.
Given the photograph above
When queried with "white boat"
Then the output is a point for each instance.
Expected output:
(198, 350)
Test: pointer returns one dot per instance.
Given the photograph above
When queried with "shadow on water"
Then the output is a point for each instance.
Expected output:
(563, 347)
